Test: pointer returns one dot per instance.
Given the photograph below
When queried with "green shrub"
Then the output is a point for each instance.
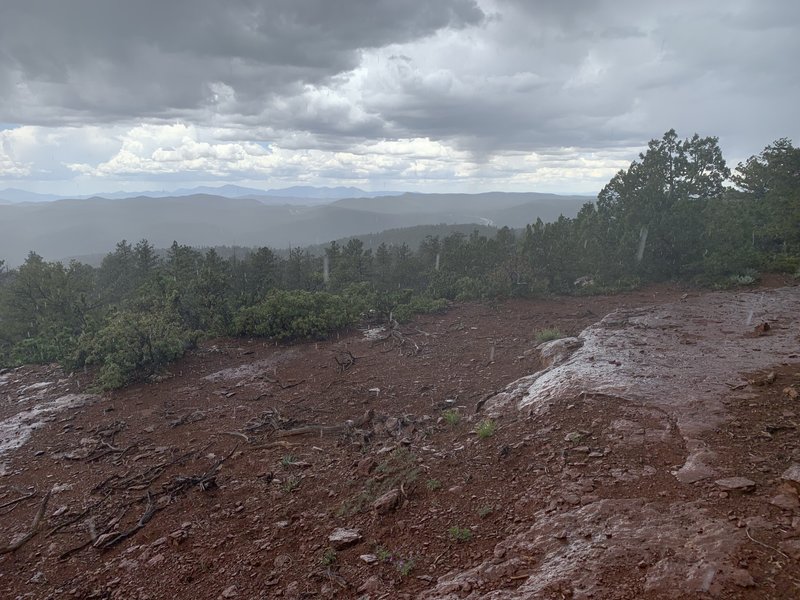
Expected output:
(405, 566)
(297, 314)
(329, 557)
(433, 485)
(132, 346)
(782, 263)
(49, 346)
(383, 554)
(606, 287)
(418, 305)
(743, 280)
(471, 288)
(460, 534)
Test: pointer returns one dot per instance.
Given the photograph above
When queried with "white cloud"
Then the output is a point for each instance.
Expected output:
(180, 149)
(10, 165)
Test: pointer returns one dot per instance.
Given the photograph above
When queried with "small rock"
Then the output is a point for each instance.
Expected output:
(791, 547)
(387, 503)
(761, 329)
(128, 564)
(572, 499)
(370, 586)
(370, 559)
(742, 578)
(156, 560)
(38, 577)
(179, 535)
(292, 590)
(791, 393)
(343, 537)
(573, 437)
(786, 501)
(736, 484)
(366, 466)
(796, 524)
(230, 592)
(792, 474)
(281, 524)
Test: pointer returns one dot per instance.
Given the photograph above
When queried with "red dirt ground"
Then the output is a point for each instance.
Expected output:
(230, 506)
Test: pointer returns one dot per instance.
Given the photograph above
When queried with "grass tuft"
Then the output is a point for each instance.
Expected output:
(548, 335)
(486, 429)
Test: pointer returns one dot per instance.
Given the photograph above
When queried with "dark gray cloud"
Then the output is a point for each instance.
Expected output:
(593, 74)
(101, 59)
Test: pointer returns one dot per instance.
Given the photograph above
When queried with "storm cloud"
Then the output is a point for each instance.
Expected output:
(453, 94)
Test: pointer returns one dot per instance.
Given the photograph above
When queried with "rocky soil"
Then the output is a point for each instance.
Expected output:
(654, 452)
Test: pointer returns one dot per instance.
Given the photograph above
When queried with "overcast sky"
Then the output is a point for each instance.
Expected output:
(445, 95)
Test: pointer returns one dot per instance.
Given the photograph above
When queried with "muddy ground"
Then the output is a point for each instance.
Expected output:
(454, 472)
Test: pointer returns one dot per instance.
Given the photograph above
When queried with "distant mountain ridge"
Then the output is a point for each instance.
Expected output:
(77, 227)
(14, 195)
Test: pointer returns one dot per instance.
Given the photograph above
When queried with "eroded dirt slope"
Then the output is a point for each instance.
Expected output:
(228, 478)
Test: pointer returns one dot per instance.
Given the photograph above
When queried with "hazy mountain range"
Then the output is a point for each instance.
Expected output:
(309, 193)
(64, 228)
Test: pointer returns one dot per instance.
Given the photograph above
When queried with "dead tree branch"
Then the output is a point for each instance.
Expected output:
(14, 546)
(143, 520)
(21, 499)
(327, 429)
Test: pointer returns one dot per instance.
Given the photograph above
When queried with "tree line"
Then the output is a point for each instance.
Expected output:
(677, 212)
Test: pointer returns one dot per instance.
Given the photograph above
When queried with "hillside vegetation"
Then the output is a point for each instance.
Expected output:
(668, 216)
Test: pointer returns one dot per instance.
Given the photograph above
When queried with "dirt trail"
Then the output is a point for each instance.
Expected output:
(229, 477)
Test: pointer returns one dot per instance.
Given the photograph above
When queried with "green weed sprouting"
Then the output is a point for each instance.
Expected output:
(486, 429)
(460, 534)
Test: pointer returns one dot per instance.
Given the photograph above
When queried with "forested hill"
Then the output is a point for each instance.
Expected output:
(65, 228)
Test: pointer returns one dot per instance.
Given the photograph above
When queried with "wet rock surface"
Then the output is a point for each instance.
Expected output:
(227, 478)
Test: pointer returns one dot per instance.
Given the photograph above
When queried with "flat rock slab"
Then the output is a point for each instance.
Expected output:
(686, 380)
(742, 484)
(342, 537)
